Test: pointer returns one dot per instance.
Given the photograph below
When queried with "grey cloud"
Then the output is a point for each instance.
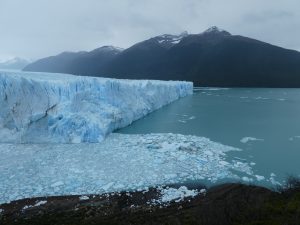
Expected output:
(267, 16)
(38, 28)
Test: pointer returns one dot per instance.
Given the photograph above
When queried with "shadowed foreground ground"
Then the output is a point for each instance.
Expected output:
(225, 204)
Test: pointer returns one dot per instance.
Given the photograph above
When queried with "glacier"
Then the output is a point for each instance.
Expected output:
(61, 108)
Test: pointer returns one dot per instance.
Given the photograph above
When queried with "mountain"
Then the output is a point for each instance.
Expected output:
(83, 63)
(212, 58)
(15, 63)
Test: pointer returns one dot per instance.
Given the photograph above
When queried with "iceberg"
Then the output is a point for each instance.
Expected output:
(61, 108)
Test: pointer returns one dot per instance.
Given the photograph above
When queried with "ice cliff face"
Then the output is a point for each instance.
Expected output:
(41, 107)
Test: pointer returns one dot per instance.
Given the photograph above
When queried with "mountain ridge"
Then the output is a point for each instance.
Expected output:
(214, 57)
(14, 63)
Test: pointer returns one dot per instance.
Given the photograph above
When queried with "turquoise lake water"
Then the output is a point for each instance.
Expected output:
(263, 123)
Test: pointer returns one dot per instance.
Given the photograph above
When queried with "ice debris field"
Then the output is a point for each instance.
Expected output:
(120, 162)
(60, 108)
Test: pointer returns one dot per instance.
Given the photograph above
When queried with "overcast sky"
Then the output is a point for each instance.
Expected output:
(39, 28)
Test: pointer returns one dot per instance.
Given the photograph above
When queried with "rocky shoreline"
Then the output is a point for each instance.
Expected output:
(223, 204)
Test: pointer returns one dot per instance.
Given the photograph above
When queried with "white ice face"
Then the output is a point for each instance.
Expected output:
(60, 108)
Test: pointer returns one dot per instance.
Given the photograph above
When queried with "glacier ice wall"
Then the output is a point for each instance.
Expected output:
(60, 108)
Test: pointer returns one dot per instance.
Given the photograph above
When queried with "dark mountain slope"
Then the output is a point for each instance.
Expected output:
(83, 63)
(55, 64)
(141, 60)
(215, 59)
(92, 62)
(212, 58)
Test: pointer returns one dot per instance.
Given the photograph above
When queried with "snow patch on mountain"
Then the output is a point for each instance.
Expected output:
(168, 40)
(216, 30)
(60, 108)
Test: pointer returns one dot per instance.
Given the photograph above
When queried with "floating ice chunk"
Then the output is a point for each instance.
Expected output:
(203, 191)
(294, 138)
(247, 179)
(242, 166)
(177, 195)
(240, 159)
(259, 178)
(261, 98)
(39, 203)
(186, 118)
(273, 179)
(84, 197)
(224, 163)
(26, 207)
(245, 140)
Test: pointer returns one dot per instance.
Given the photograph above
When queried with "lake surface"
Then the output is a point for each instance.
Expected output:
(263, 123)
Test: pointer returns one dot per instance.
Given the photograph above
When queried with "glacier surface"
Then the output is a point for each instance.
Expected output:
(60, 108)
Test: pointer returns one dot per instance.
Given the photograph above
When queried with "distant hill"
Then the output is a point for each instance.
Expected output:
(15, 63)
(85, 63)
(211, 58)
